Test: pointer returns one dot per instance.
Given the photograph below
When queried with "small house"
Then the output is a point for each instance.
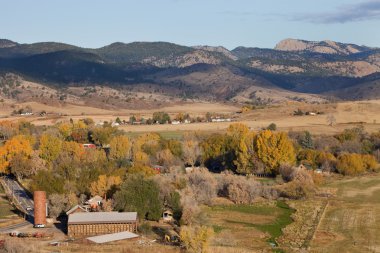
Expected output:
(94, 202)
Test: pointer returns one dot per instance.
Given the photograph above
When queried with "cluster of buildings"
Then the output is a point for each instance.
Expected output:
(86, 221)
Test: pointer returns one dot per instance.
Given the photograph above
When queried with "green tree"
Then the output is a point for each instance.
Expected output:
(140, 195)
(306, 141)
(161, 117)
(102, 135)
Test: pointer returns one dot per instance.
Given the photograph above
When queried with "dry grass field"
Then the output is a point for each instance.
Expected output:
(347, 115)
(351, 221)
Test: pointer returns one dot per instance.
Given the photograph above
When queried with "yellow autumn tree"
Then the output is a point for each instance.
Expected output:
(142, 170)
(18, 145)
(73, 149)
(274, 149)
(242, 144)
(104, 184)
(120, 147)
(355, 164)
(148, 143)
(50, 147)
(370, 163)
(140, 158)
(165, 157)
(65, 129)
(350, 164)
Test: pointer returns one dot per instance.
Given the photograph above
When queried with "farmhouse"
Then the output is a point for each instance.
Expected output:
(99, 223)
(94, 202)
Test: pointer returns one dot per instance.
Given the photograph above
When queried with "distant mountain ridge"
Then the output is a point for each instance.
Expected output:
(326, 47)
(324, 67)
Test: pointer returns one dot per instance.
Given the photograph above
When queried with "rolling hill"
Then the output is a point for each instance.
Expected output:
(294, 69)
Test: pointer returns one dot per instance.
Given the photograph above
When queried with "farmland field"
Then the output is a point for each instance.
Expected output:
(347, 115)
(247, 228)
(351, 222)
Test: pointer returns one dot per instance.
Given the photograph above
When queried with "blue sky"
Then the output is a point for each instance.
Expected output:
(230, 23)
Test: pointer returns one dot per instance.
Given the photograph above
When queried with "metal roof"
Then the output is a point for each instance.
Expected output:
(112, 237)
(75, 208)
(102, 217)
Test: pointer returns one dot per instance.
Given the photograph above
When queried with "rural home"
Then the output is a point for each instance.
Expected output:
(94, 202)
(100, 223)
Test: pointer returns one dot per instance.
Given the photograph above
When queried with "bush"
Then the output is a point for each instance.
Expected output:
(196, 239)
(350, 164)
(301, 186)
(145, 228)
(203, 185)
(190, 208)
(287, 172)
(272, 127)
(239, 189)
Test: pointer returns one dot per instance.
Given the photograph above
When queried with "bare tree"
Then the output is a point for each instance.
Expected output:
(191, 149)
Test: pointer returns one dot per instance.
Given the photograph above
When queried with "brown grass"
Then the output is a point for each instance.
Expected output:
(352, 220)
(347, 114)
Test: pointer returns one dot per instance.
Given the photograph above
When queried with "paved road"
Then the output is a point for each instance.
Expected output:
(14, 227)
(23, 201)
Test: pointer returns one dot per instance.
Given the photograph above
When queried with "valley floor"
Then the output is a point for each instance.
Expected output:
(346, 115)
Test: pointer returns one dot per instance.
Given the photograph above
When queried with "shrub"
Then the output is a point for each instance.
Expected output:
(272, 127)
(301, 186)
(239, 189)
(350, 164)
(203, 184)
(190, 208)
(196, 239)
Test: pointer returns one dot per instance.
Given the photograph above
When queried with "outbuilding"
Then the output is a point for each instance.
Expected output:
(100, 223)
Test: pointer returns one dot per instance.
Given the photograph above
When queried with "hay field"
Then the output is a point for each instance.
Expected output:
(351, 222)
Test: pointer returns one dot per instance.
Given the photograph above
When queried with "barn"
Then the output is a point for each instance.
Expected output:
(98, 223)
